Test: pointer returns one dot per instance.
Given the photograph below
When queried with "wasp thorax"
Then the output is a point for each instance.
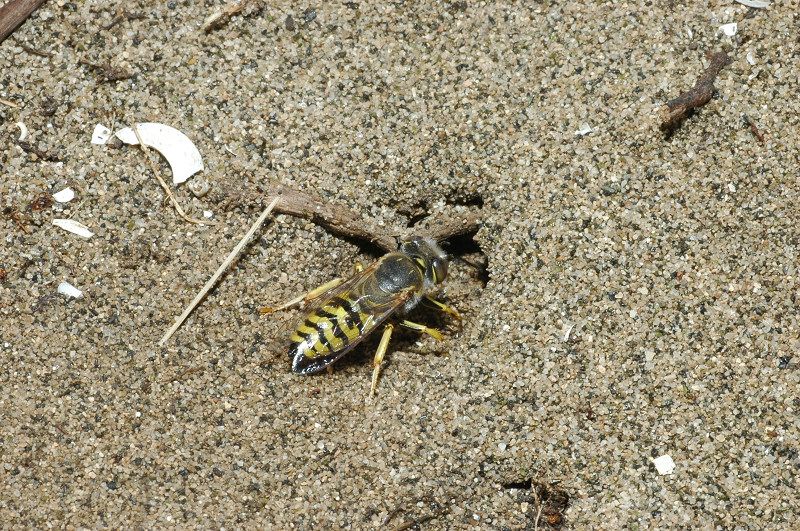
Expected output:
(430, 258)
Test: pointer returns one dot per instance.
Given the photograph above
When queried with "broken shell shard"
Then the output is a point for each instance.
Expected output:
(65, 288)
(664, 464)
(101, 134)
(729, 29)
(74, 227)
(181, 154)
(23, 131)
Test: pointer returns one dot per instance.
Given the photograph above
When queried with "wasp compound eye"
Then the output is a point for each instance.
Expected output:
(439, 270)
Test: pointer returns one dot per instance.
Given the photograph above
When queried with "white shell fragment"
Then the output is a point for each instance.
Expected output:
(64, 196)
(751, 58)
(23, 131)
(101, 134)
(65, 288)
(664, 465)
(568, 332)
(729, 29)
(181, 154)
(208, 214)
(757, 4)
(74, 227)
(584, 130)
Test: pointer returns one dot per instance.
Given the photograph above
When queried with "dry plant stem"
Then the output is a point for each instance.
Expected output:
(674, 112)
(343, 222)
(122, 15)
(27, 147)
(337, 219)
(539, 507)
(9, 103)
(164, 184)
(753, 128)
(109, 72)
(34, 51)
(222, 268)
(14, 13)
(220, 18)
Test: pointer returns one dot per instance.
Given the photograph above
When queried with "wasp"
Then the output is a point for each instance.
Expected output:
(345, 311)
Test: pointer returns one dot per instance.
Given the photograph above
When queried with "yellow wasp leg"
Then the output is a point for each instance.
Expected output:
(382, 346)
(444, 307)
(313, 294)
(435, 334)
(358, 267)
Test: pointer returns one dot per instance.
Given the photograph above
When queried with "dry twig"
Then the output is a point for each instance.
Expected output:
(16, 216)
(14, 13)
(29, 147)
(164, 185)
(122, 15)
(675, 111)
(753, 128)
(109, 72)
(222, 268)
(9, 103)
(221, 17)
(337, 219)
(343, 222)
(35, 51)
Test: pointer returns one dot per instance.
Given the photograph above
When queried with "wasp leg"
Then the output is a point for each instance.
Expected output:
(444, 307)
(358, 267)
(313, 294)
(435, 334)
(382, 346)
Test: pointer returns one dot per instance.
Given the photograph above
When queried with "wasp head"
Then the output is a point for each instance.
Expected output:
(430, 258)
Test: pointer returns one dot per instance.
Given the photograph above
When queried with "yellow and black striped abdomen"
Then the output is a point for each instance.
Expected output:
(327, 333)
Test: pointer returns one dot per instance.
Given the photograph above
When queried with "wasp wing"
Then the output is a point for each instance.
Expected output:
(348, 313)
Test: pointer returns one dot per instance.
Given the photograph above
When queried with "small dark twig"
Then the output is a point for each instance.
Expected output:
(42, 202)
(753, 128)
(34, 51)
(14, 13)
(438, 511)
(108, 71)
(44, 155)
(675, 111)
(123, 15)
(16, 216)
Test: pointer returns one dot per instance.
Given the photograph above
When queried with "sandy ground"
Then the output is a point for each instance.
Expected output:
(641, 293)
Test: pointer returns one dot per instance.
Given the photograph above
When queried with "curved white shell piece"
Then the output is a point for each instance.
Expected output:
(181, 154)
